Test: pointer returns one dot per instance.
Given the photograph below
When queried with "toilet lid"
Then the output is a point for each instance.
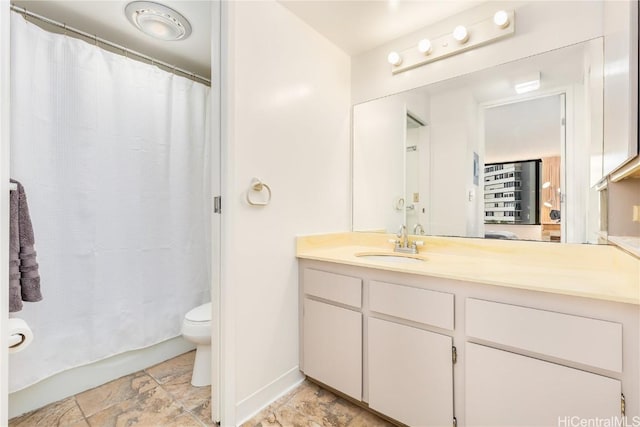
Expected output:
(200, 314)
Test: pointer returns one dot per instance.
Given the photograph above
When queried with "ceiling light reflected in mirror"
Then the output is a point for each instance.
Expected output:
(528, 84)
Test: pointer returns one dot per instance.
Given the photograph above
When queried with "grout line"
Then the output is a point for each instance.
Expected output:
(84, 416)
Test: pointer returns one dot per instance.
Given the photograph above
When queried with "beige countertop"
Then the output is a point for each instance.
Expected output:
(592, 271)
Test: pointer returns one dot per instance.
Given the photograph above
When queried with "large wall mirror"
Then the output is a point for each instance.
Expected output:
(510, 152)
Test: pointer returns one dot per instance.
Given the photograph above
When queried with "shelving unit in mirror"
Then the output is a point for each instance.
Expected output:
(628, 243)
(630, 169)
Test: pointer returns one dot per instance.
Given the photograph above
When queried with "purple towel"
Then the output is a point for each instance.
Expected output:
(24, 279)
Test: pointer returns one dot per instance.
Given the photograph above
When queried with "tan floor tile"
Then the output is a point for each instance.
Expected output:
(284, 416)
(62, 413)
(304, 386)
(203, 413)
(368, 419)
(154, 407)
(182, 390)
(262, 415)
(111, 393)
(180, 366)
(311, 392)
(184, 420)
(323, 407)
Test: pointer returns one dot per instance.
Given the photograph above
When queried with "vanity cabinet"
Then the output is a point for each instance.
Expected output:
(426, 350)
(332, 325)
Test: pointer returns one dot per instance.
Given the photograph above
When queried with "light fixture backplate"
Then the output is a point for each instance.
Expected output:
(157, 20)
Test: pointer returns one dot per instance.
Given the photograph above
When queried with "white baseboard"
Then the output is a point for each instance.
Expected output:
(247, 408)
(76, 380)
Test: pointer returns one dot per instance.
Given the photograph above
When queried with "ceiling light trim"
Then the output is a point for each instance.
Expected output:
(158, 21)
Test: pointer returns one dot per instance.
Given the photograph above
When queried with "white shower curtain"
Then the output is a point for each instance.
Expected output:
(114, 158)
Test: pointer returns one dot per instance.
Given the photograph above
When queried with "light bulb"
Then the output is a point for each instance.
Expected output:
(394, 58)
(461, 34)
(424, 46)
(501, 19)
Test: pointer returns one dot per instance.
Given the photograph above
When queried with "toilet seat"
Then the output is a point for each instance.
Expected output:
(201, 313)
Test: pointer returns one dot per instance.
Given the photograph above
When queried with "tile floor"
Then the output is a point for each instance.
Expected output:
(158, 396)
(162, 396)
(311, 406)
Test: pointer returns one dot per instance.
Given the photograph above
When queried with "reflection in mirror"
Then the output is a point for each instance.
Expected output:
(496, 153)
(535, 131)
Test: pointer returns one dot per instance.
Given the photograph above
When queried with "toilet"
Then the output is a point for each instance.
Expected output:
(196, 328)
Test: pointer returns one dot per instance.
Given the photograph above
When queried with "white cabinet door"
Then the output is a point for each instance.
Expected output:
(332, 347)
(410, 374)
(507, 389)
(620, 83)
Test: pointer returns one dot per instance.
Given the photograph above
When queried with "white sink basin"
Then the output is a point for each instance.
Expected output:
(385, 257)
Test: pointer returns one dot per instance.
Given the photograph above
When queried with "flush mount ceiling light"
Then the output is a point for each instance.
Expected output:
(461, 34)
(157, 20)
(424, 46)
(394, 58)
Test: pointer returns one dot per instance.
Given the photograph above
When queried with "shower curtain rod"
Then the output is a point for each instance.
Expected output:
(97, 40)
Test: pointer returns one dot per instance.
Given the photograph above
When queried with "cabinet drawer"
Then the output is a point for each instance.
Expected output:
(333, 287)
(592, 342)
(419, 305)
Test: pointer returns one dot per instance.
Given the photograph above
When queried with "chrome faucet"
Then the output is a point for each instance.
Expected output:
(403, 244)
(402, 235)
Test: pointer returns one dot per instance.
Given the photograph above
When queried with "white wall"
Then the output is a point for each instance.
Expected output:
(287, 109)
(382, 167)
(4, 204)
(474, 189)
(379, 130)
(540, 26)
(412, 173)
(452, 142)
(417, 102)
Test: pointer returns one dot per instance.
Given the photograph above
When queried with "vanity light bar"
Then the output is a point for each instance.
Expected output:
(462, 38)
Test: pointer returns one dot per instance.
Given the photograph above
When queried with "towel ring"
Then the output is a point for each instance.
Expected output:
(258, 186)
